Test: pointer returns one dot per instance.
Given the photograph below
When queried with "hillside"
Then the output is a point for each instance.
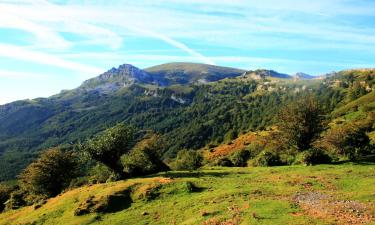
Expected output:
(325, 194)
(188, 114)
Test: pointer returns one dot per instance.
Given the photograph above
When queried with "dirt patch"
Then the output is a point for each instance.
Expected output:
(325, 206)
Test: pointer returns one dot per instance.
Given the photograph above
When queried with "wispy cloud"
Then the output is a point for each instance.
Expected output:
(88, 37)
(20, 53)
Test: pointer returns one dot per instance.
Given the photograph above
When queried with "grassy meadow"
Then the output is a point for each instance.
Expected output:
(217, 195)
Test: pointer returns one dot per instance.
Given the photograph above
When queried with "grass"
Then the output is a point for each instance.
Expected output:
(211, 196)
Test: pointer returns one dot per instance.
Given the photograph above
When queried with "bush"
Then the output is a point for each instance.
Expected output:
(101, 174)
(312, 157)
(254, 148)
(49, 174)
(144, 158)
(187, 160)
(350, 140)
(240, 158)
(267, 158)
(223, 162)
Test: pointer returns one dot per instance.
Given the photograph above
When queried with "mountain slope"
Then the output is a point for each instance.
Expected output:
(188, 115)
(188, 73)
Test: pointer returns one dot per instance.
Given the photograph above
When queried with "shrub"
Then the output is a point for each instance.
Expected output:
(101, 174)
(240, 158)
(349, 140)
(312, 157)
(187, 160)
(254, 148)
(223, 162)
(49, 174)
(145, 157)
(267, 158)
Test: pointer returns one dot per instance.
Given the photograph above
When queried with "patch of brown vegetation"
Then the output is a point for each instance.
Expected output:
(236, 145)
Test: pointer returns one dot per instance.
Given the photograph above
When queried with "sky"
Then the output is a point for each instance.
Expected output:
(48, 46)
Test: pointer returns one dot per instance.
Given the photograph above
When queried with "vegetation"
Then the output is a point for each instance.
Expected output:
(259, 195)
(110, 145)
(49, 174)
(187, 160)
(300, 123)
(144, 158)
(259, 119)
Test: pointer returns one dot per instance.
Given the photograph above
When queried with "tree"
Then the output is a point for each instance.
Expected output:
(145, 157)
(300, 123)
(49, 174)
(110, 145)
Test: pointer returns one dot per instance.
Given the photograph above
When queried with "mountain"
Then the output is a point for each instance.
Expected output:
(189, 73)
(263, 74)
(191, 105)
(304, 76)
(123, 76)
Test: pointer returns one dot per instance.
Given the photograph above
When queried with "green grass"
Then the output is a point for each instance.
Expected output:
(213, 195)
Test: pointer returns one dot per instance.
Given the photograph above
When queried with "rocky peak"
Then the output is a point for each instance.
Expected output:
(262, 74)
(115, 78)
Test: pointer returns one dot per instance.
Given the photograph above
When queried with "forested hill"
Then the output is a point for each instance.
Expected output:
(191, 105)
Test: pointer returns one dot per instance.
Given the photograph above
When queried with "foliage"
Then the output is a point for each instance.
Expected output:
(50, 173)
(349, 140)
(312, 157)
(110, 145)
(240, 158)
(101, 174)
(5, 192)
(145, 157)
(16, 200)
(187, 160)
(267, 158)
(208, 113)
(300, 123)
(225, 162)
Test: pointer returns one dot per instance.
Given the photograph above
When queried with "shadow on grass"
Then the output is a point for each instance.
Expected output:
(367, 160)
(195, 174)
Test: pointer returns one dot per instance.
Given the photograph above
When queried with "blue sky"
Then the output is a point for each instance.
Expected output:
(47, 46)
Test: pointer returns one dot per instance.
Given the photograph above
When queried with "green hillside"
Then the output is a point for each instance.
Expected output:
(326, 194)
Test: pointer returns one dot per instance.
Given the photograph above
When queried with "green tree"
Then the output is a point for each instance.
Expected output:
(50, 173)
(301, 122)
(110, 145)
